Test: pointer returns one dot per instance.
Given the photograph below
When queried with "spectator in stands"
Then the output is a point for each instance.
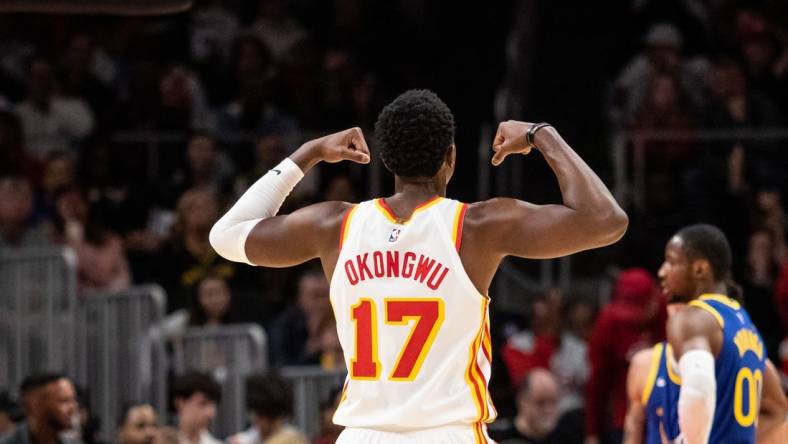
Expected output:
(277, 28)
(14, 158)
(182, 101)
(538, 420)
(269, 399)
(195, 396)
(16, 210)
(331, 357)
(78, 80)
(188, 257)
(661, 56)
(206, 167)
(211, 306)
(535, 346)
(10, 415)
(138, 424)
(59, 173)
(101, 256)
(634, 319)
(252, 109)
(295, 335)
(570, 364)
(761, 272)
(51, 121)
(50, 404)
(763, 52)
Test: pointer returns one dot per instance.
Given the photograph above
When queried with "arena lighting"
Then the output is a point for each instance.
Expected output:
(114, 7)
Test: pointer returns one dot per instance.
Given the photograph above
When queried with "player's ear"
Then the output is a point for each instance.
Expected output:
(701, 269)
(451, 155)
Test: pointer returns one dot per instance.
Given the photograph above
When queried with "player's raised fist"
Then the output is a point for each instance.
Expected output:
(510, 139)
(344, 145)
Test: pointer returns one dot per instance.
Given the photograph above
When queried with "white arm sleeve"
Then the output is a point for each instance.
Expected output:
(262, 200)
(698, 396)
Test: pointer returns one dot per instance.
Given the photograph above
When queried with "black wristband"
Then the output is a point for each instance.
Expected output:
(531, 133)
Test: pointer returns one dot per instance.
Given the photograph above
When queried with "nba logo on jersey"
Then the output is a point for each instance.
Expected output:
(394, 235)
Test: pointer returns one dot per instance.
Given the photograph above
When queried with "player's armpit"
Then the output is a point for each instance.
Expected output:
(773, 418)
(519, 228)
(308, 233)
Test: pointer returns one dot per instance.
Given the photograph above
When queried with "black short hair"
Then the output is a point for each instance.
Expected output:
(187, 384)
(704, 241)
(126, 408)
(269, 395)
(413, 132)
(38, 380)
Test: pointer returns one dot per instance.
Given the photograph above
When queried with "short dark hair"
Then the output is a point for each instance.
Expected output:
(187, 384)
(414, 132)
(269, 395)
(704, 241)
(38, 380)
(126, 408)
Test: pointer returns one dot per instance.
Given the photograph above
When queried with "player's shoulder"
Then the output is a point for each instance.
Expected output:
(695, 318)
(690, 323)
(329, 214)
(492, 211)
(642, 358)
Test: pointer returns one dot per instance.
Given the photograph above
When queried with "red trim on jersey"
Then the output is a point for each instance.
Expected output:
(460, 219)
(343, 228)
(390, 213)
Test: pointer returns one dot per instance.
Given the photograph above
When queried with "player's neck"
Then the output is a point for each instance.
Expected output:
(418, 189)
(710, 287)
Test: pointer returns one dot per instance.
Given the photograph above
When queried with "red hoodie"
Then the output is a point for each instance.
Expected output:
(634, 320)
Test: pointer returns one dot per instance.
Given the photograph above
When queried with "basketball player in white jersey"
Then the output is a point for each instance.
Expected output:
(409, 273)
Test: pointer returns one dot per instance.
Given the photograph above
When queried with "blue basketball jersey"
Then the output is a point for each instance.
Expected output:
(661, 397)
(739, 371)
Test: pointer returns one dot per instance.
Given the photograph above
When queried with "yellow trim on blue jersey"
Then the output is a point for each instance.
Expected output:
(722, 299)
(656, 354)
(669, 360)
(704, 306)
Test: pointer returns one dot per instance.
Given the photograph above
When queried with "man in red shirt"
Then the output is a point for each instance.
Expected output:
(633, 320)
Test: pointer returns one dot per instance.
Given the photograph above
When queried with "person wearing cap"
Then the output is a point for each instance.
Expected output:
(633, 320)
(662, 47)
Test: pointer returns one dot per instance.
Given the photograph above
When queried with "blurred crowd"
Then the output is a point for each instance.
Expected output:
(124, 138)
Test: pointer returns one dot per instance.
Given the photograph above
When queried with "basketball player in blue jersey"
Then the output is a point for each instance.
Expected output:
(720, 354)
(653, 391)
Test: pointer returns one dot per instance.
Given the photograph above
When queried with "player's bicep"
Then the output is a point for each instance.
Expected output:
(292, 239)
(523, 229)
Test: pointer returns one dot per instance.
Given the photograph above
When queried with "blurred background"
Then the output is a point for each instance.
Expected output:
(123, 139)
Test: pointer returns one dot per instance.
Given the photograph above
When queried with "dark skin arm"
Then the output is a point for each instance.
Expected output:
(635, 420)
(773, 416)
(692, 328)
(313, 231)
(589, 217)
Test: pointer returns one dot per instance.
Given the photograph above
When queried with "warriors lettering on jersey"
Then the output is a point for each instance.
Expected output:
(395, 264)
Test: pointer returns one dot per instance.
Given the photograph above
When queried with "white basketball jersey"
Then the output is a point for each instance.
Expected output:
(413, 328)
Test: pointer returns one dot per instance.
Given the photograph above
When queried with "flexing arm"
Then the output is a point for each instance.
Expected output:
(696, 338)
(773, 419)
(635, 421)
(250, 232)
(588, 218)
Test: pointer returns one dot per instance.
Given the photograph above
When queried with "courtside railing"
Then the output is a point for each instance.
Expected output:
(312, 388)
(37, 312)
(230, 354)
(629, 149)
(122, 356)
